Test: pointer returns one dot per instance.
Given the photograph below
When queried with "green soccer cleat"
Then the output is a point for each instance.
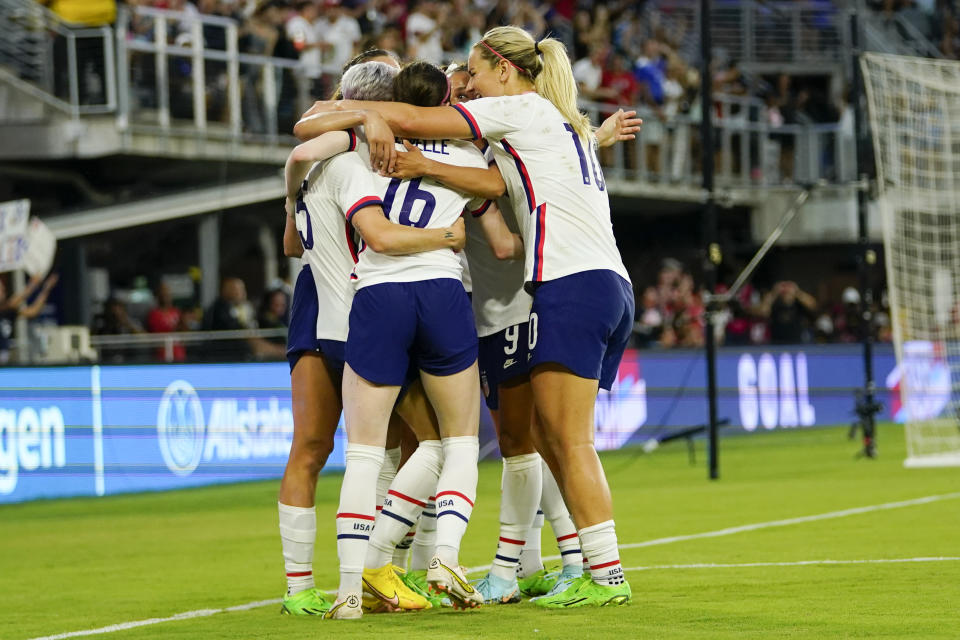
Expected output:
(417, 582)
(563, 580)
(584, 592)
(537, 584)
(309, 602)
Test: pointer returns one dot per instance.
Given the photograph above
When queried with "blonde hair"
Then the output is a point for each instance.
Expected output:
(552, 76)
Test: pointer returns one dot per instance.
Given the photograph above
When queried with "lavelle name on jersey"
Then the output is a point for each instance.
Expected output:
(430, 146)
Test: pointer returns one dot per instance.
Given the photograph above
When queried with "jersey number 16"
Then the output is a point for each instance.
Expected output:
(414, 193)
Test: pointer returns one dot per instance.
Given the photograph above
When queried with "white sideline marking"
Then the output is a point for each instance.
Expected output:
(123, 626)
(772, 523)
(203, 613)
(799, 563)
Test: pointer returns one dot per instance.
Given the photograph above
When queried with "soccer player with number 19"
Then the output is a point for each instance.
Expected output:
(582, 298)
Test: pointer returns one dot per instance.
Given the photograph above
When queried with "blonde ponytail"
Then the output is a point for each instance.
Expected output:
(552, 76)
(556, 84)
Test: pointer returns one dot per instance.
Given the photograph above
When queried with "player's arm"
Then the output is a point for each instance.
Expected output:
(623, 125)
(379, 118)
(392, 239)
(487, 183)
(304, 155)
(506, 245)
(292, 246)
(406, 120)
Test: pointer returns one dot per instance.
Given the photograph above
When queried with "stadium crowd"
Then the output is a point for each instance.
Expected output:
(621, 54)
(936, 20)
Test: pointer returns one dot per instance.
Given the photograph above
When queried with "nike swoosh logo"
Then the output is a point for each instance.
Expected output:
(394, 601)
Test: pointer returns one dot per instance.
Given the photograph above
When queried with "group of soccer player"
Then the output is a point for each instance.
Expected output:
(412, 187)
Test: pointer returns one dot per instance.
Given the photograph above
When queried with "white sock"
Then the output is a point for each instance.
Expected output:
(355, 515)
(405, 499)
(456, 492)
(298, 531)
(521, 487)
(425, 542)
(391, 462)
(401, 554)
(555, 511)
(600, 545)
(530, 559)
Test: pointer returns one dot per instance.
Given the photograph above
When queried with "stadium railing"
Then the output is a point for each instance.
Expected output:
(750, 152)
(72, 69)
(159, 77)
(198, 345)
(755, 32)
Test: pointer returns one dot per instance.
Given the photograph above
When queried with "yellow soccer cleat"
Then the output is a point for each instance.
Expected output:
(386, 586)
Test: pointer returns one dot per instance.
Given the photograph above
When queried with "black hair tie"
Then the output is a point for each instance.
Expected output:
(536, 48)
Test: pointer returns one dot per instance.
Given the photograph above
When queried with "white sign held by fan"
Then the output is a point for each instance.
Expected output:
(41, 249)
(25, 243)
(14, 216)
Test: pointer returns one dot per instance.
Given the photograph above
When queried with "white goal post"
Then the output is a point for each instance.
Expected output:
(914, 108)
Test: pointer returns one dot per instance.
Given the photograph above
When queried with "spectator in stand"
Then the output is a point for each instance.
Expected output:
(114, 320)
(846, 316)
(582, 30)
(624, 91)
(167, 318)
(16, 306)
(258, 36)
(340, 31)
(650, 70)
(275, 314)
(302, 33)
(588, 73)
(648, 326)
(740, 318)
(668, 280)
(529, 18)
(233, 312)
(425, 31)
(687, 320)
(788, 309)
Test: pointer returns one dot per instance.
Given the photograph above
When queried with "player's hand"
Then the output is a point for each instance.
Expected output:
(383, 151)
(457, 235)
(621, 126)
(410, 163)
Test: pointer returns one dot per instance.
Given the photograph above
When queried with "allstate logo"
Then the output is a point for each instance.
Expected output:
(180, 427)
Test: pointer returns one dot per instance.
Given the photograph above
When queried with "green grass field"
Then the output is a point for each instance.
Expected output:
(74, 565)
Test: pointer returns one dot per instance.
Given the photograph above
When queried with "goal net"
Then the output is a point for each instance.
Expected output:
(914, 106)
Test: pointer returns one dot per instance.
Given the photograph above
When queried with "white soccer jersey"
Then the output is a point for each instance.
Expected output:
(499, 300)
(554, 181)
(422, 203)
(465, 273)
(333, 191)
